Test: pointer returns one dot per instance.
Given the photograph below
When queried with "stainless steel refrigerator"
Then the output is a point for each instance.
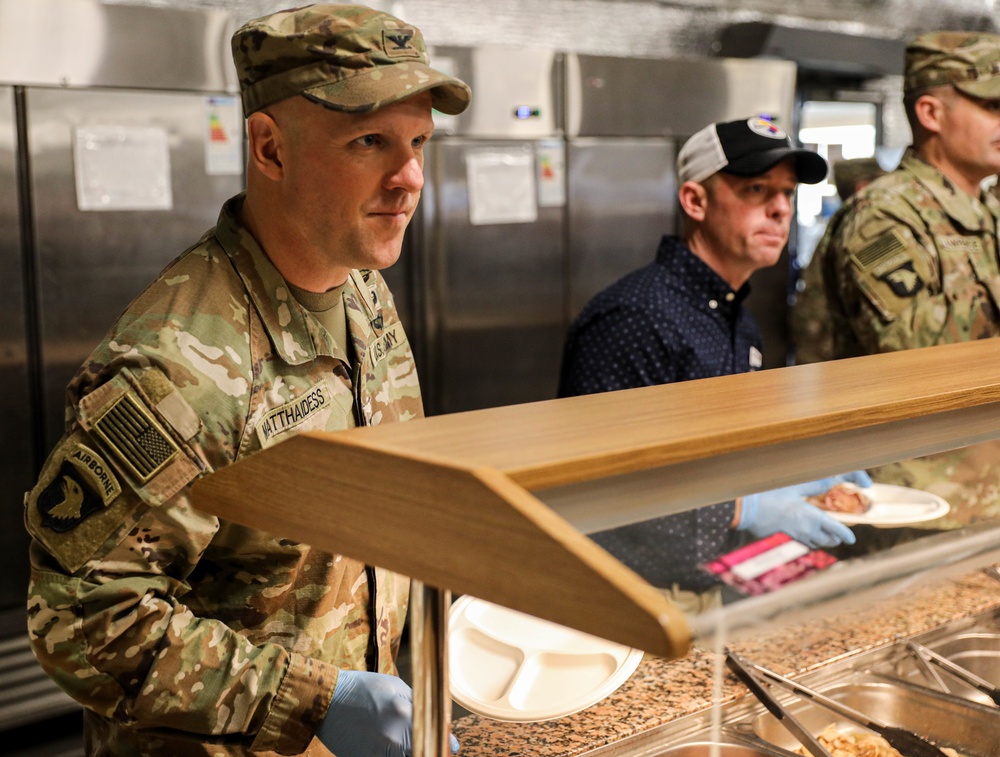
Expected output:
(120, 138)
(483, 274)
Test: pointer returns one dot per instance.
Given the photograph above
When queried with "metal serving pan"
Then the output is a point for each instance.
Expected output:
(977, 652)
(971, 728)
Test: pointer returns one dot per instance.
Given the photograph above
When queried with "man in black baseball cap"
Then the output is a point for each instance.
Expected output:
(736, 185)
(682, 317)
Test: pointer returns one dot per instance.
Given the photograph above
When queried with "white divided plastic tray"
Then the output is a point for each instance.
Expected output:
(510, 666)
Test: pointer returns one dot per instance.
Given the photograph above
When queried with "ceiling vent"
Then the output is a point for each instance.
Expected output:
(813, 49)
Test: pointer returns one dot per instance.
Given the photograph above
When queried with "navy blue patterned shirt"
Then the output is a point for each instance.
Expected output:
(673, 320)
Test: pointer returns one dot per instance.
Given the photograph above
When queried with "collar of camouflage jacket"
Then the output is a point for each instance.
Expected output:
(297, 336)
(970, 213)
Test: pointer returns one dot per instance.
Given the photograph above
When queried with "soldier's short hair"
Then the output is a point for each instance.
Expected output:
(345, 57)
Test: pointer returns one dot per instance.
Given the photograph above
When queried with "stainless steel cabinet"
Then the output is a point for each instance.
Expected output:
(486, 258)
(16, 429)
(621, 200)
(495, 291)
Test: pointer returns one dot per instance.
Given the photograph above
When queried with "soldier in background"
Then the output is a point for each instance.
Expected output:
(179, 633)
(812, 334)
(853, 175)
(914, 262)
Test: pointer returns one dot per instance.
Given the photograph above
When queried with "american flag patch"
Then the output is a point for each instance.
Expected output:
(878, 251)
(132, 433)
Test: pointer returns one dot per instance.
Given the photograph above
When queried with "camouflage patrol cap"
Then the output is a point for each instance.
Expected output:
(346, 57)
(970, 61)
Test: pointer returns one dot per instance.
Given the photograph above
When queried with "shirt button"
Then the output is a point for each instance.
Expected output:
(713, 304)
(730, 296)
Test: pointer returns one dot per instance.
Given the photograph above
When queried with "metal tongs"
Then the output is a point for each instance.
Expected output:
(742, 669)
(925, 657)
(907, 743)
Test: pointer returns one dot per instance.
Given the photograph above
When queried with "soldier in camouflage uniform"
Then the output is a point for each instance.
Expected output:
(810, 320)
(179, 633)
(913, 261)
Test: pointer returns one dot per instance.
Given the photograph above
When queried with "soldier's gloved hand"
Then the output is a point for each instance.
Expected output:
(371, 715)
(786, 510)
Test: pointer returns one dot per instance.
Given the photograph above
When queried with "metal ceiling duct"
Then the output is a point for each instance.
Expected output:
(814, 49)
(877, 18)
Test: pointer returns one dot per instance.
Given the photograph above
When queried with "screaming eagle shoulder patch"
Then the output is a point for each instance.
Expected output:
(903, 281)
(84, 485)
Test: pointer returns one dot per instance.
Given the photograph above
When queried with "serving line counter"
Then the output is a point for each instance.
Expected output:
(497, 504)
(667, 703)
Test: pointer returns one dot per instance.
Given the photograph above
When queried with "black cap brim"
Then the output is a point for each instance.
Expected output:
(810, 167)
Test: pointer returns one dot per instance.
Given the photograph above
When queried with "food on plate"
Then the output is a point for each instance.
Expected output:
(858, 744)
(842, 498)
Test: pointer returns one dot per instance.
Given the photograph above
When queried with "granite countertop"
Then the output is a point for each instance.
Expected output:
(661, 691)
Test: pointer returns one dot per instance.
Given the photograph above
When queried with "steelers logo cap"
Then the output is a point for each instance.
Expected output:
(746, 147)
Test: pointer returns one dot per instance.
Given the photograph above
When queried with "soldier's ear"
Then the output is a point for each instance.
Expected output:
(693, 199)
(929, 111)
(265, 145)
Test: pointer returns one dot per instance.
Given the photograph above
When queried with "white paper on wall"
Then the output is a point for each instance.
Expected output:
(501, 186)
(122, 168)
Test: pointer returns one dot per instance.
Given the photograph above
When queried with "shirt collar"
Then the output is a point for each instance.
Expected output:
(970, 212)
(704, 285)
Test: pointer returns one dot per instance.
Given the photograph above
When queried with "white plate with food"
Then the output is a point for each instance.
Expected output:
(881, 505)
(510, 666)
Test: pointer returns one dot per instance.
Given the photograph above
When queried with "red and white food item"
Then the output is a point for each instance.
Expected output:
(842, 498)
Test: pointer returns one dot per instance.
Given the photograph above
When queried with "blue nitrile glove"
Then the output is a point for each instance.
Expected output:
(786, 510)
(371, 715)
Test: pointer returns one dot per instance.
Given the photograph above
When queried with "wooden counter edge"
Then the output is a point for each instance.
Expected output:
(553, 443)
(471, 531)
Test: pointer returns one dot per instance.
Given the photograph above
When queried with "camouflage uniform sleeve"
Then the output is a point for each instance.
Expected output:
(115, 542)
(899, 289)
(811, 319)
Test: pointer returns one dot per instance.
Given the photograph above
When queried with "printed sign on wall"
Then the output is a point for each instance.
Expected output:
(122, 168)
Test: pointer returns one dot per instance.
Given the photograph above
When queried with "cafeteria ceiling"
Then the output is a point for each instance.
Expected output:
(650, 28)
